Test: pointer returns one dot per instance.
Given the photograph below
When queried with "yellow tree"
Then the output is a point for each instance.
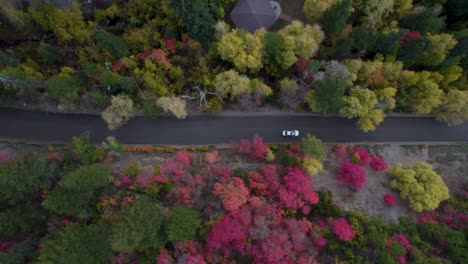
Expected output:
(362, 104)
(313, 9)
(306, 39)
(419, 91)
(454, 108)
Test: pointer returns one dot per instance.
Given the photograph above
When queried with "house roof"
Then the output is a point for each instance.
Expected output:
(253, 14)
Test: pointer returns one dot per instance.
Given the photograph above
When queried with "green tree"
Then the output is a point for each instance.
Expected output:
(182, 223)
(374, 12)
(138, 226)
(454, 108)
(425, 21)
(63, 88)
(305, 38)
(313, 9)
(112, 44)
(419, 92)
(49, 54)
(119, 112)
(413, 49)
(278, 55)
(326, 94)
(438, 50)
(84, 149)
(362, 103)
(18, 253)
(76, 244)
(15, 221)
(363, 39)
(312, 145)
(334, 18)
(230, 84)
(199, 17)
(22, 180)
(75, 194)
(422, 186)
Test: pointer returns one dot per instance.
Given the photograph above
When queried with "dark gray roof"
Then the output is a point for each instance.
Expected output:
(253, 14)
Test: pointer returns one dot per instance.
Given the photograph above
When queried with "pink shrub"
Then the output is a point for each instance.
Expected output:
(266, 182)
(211, 157)
(342, 229)
(353, 174)
(340, 151)
(378, 164)
(320, 242)
(426, 217)
(144, 179)
(226, 235)
(183, 157)
(174, 169)
(255, 149)
(170, 44)
(401, 259)
(401, 240)
(4, 157)
(361, 156)
(164, 257)
(297, 190)
(233, 194)
(390, 200)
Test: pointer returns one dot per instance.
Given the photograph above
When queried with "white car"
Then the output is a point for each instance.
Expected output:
(290, 133)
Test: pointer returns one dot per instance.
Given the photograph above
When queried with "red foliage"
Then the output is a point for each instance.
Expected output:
(361, 156)
(297, 190)
(352, 174)
(226, 235)
(426, 217)
(164, 257)
(183, 157)
(255, 148)
(342, 229)
(320, 243)
(211, 157)
(5, 245)
(170, 44)
(118, 65)
(266, 182)
(172, 168)
(301, 66)
(409, 36)
(159, 56)
(378, 164)
(390, 200)
(402, 259)
(233, 194)
(4, 156)
(401, 240)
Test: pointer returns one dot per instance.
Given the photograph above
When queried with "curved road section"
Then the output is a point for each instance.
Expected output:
(221, 129)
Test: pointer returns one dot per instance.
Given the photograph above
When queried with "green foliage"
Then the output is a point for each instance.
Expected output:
(312, 145)
(374, 12)
(313, 9)
(388, 44)
(363, 39)
(457, 246)
(426, 21)
(326, 94)
(182, 223)
(63, 88)
(413, 49)
(76, 244)
(213, 105)
(454, 108)
(438, 50)
(76, 192)
(305, 39)
(18, 253)
(84, 149)
(199, 17)
(419, 91)
(22, 180)
(15, 221)
(334, 18)
(112, 43)
(138, 226)
(362, 103)
(325, 207)
(49, 54)
(100, 99)
(279, 54)
(422, 186)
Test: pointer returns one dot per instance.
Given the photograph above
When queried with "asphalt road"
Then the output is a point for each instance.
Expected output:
(220, 129)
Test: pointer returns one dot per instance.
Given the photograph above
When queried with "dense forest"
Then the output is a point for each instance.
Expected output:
(360, 59)
(86, 203)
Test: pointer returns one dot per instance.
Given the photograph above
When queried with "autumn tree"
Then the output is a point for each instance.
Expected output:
(454, 108)
(175, 105)
(419, 91)
(137, 226)
(420, 184)
(242, 49)
(278, 54)
(312, 166)
(352, 174)
(290, 95)
(22, 180)
(230, 84)
(326, 94)
(119, 112)
(362, 103)
(199, 17)
(334, 18)
(306, 38)
(342, 229)
(76, 244)
(312, 145)
(113, 44)
(313, 9)
(374, 12)
(76, 193)
(437, 51)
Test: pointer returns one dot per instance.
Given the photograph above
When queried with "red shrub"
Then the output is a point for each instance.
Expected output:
(183, 157)
(164, 257)
(390, 200)
(342, 229)
(426, 217)
(352, 174)
(301, 66)
(360, 156)
(266, 182)
(170, 44)
(409, 36)
(226, 235)
(297, 190)
(211, 157)
(340, 151)
(320, 243)
(401, 239)
(378, 164)
(233, 194)
(255, 149)
(4, 156)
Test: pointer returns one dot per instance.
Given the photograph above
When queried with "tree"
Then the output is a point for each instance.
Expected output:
(374, 12)
(175, 105)
(230, 84)
(182, 223)
(75, 194)
(437, 51)
(422, 186)
(67, 25)
(199, 17)
(312, 166)
(411, 51)
(313, 9)
(419, 91)
(290, 95)
(425, 21)
(342, 229)
(352, 174)
(363, 39)
(454, 108)
(312, 145)
(84, 149)
(22, 180)
(334, 18)
(76, 244)
(326, 94)
(138, 226)
(119, 112)
(112, 44)
(306, 39)
(242, 49)
(279, 54)
(63, 88)
(362, 103)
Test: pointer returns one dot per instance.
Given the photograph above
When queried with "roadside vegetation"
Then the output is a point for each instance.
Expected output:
(361, 59)
(251, 202)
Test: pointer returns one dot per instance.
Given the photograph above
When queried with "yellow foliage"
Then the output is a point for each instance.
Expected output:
(306, 39)
(313, 9)
(312, 166)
